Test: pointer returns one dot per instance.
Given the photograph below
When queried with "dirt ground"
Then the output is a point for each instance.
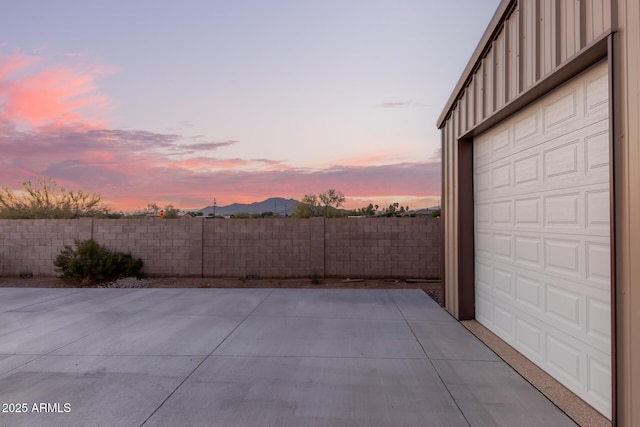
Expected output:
(431, 288)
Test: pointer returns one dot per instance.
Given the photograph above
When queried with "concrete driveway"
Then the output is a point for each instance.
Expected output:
(250, 357)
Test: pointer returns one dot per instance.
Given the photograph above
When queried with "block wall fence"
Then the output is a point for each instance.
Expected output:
(271, 248)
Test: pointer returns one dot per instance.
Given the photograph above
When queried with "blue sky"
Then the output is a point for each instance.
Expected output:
(178, 102)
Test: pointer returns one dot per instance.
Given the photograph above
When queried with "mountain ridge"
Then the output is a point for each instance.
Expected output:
(277, 205)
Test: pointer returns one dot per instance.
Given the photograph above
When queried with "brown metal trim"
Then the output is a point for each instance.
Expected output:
(613, 133)
(466, 247)
(443, 170)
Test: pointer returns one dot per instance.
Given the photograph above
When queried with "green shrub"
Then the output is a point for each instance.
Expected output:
(90, 263)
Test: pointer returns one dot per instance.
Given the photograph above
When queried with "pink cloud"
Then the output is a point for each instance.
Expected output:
(371, 159)
(38, 95)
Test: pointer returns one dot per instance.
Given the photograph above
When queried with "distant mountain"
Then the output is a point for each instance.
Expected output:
(277, 205)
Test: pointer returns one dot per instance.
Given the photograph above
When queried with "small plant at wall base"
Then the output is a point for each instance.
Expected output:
(90, 263)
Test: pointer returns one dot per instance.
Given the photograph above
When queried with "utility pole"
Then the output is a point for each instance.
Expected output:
(214, 207)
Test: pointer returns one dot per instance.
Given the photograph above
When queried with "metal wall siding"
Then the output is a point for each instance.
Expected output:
(513, 55)
(470, 105)
(499, 66)
(548, 36)
(597, 18)
(489, 87)
(454, 202)
(450, 224)
(479, 79)
(627, 187)
(528, 47)
(463, 113)
(569, 29)
(532, 40)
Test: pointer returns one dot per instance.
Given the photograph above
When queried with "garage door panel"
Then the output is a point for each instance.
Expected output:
(503, 283)
(578, 159)
(561, 304)
(596, 88)
(528, 212)
(504, 322)
(597, 214)
(529, 337)
(598, 319)
(560, 108)
(484, 310)
(529, 251)
(578, 211)
(599, 380)
(542, 234)
(598, 264)
(527, 170)
(587, 371)
(562, 256)
(561, 161)
(502, 245)
(564, 360)
(564, 211)
(579, 257)
(526, 127)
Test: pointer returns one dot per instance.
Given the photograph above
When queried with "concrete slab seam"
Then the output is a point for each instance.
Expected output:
(205, 358)
(431, 363)
(45, 301)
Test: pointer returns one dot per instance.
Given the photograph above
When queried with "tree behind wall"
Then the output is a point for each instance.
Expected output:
(326, 204)
(45, 199)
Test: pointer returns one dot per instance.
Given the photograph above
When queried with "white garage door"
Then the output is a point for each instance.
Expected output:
(542, 259)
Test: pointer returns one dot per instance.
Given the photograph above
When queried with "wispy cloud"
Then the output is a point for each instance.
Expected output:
(35, 94)
(400, 104)
(395, 104)
(208, 146)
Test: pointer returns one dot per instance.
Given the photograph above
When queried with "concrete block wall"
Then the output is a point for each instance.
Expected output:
(382, 247)
(278, 247)
(262, 247)
(167, 247)
(30, 246)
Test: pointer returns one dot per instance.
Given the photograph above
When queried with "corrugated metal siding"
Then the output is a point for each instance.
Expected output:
(570, 28)
(448, 206)
(512, 73)
(489, 88)
(548, 36)
(597, 14)
(529, 44)
(532, 39)
(536, 37)
(500, 70)
(627, 189)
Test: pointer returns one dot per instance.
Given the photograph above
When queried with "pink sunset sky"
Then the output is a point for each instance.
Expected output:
(180, 103)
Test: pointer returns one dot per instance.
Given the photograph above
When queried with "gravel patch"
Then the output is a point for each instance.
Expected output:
(126, 282)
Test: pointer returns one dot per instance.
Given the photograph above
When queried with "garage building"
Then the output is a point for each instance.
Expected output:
(541, 193)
